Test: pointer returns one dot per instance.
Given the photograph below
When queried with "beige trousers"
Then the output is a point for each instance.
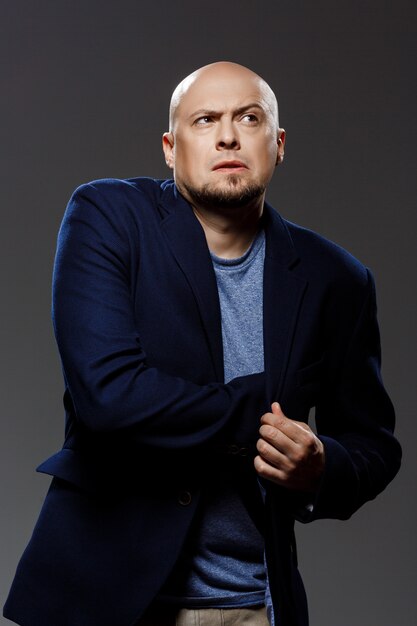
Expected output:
(252, 616)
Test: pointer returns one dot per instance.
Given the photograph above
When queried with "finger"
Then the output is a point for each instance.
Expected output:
(299, 432)
(276, 416)
(278, 439)
(302, 451)
(278, 412)
(274, 456)
(276, 409)
(269, 472)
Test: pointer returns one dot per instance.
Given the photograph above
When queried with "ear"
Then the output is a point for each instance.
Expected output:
(280, 143)
(168, 148)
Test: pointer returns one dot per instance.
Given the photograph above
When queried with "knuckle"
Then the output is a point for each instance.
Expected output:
(272, 433)
(268, 432)
(292, 467)
(263, 431)
(311, 442)
(264, 446)
(260, 465)
(298, 457)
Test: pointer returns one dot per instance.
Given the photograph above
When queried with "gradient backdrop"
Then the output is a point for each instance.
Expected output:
(85, 87)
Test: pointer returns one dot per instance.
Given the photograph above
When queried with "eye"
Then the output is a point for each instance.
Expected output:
(203, 120)
(249, 118)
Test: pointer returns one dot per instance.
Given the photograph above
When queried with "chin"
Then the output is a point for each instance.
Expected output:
(234, 192)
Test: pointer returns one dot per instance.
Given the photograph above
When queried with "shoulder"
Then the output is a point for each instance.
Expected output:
(331, 273)
(324, 259)
(342, 285)
(109, 190)
(117, 201)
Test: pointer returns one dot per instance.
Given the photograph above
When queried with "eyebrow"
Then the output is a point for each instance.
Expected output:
(238, 111)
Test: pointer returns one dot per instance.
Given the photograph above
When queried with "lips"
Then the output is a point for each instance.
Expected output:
(229, 165)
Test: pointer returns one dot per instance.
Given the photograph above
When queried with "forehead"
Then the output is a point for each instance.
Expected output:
(222, 92)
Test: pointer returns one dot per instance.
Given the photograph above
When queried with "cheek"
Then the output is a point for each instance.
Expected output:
(264, 164)
(188, 158)
(271, 154)
(265, 147)
(182, 167)
(265, 157)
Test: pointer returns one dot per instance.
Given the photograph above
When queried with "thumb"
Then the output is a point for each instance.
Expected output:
(276, 409)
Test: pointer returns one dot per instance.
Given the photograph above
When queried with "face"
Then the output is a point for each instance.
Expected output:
(224, 143)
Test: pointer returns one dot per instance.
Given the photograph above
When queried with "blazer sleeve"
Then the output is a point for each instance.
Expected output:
(355, 422)
(105, 367)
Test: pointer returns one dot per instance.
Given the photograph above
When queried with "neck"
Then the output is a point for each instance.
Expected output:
(230, 232)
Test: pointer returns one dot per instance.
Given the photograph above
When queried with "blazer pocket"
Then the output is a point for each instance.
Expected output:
(310, 375)
(69, 466)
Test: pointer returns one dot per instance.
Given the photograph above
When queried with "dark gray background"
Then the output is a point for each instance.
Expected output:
(85, 87)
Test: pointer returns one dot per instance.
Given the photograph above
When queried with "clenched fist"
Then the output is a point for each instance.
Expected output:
(290, 454)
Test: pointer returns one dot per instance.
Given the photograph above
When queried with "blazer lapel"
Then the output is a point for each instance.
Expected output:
(283, 293)
(188, 244)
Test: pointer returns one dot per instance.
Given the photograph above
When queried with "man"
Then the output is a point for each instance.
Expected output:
(197, 329)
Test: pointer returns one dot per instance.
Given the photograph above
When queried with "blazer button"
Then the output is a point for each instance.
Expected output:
(184, 498)
(237, 450)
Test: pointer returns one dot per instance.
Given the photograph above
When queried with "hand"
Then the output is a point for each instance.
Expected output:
(290, 454)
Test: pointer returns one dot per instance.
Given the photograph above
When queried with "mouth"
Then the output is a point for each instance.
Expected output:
(229, 166)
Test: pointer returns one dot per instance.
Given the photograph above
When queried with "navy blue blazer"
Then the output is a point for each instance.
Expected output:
(148, 417)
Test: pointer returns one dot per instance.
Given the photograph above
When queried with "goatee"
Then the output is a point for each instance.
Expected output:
(234, 196)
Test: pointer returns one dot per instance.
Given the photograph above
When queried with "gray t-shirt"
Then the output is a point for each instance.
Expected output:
(222, 563)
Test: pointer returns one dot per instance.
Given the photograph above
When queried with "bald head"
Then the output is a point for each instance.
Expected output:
(211, 77)
(224, 140)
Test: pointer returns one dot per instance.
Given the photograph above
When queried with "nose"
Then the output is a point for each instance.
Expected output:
(227, 137)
